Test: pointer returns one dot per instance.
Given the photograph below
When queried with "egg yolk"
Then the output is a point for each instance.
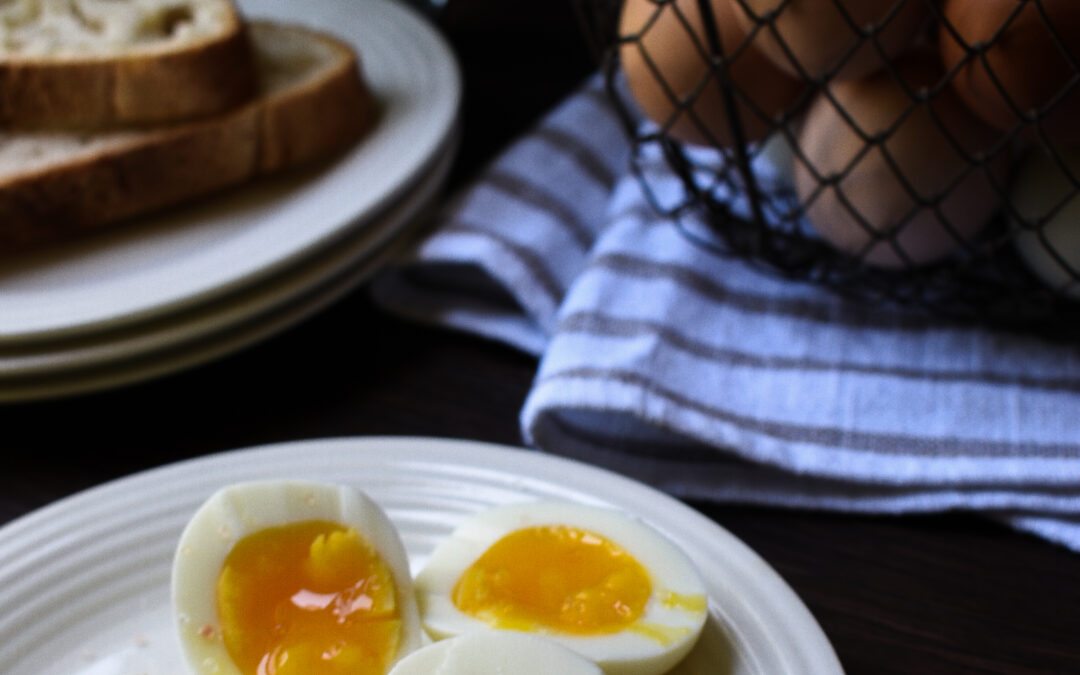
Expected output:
(308, 598)
(554, 577)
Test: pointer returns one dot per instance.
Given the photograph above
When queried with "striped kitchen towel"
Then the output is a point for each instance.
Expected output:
(710, 379)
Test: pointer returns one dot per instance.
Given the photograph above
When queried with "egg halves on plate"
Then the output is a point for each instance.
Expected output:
(605, 585)
(283, 578)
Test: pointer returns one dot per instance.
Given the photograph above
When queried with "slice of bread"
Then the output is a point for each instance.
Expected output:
(56, 185)
(94, 63)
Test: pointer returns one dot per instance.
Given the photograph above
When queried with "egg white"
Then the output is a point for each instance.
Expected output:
(627, 652)
(495, 653)
(245, 508)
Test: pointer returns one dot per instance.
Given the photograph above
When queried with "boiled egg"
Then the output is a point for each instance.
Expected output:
(669, 68)
(495, 653)
(284, 577)
(603, 584)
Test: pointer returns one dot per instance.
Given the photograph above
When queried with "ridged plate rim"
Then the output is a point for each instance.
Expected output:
(68, 567)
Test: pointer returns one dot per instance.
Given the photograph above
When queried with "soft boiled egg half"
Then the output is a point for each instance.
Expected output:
(496, 652)
(286, 577)
(607, 586)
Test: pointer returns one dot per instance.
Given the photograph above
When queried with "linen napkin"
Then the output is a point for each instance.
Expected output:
(711, 379)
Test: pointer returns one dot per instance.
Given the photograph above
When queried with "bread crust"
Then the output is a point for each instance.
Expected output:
(147, 86)
(287, 134)
(160, 167)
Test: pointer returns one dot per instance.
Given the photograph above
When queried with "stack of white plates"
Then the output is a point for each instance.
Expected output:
(196, 283)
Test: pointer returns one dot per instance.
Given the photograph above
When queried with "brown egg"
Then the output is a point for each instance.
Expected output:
(683, 95)
(816, 37)
(1027, 60)
(877, 200)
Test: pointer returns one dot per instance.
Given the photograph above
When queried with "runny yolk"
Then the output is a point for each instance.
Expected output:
(555, 577)
(310, 598)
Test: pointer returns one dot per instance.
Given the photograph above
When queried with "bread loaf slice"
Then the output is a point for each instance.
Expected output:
(97, 63)
(56, 185)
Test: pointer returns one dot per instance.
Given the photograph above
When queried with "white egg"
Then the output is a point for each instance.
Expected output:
(607, 586)
(1043, 191)
(495, 653)
(288, 577)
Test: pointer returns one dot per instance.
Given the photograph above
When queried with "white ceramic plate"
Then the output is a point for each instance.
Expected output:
(105, 349)
(179, 344)
(183, 257)
(188, 355)
(84, 582)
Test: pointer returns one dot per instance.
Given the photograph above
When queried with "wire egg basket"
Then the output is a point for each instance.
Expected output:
(891, 181)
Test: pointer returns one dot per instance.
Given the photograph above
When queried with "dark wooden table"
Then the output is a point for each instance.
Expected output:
(928, 594)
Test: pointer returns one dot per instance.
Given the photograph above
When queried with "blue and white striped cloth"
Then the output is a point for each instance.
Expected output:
(710, 379)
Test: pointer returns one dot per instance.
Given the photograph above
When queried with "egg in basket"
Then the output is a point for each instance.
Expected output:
(925, 152)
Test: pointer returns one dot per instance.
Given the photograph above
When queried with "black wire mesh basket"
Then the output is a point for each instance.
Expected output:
(924, 152)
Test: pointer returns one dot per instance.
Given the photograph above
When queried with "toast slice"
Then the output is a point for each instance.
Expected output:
(95, 63)
(313, 102)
